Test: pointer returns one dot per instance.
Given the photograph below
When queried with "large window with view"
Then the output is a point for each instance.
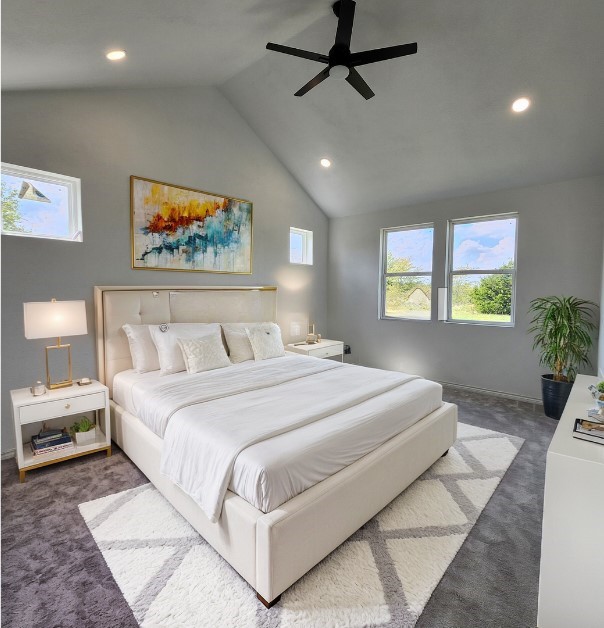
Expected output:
(406, 290)
(482, 269)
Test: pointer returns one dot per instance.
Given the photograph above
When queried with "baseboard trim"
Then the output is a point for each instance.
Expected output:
(495, 393)
(6, 455)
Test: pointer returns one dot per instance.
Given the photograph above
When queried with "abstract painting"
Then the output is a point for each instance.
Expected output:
(177, 228)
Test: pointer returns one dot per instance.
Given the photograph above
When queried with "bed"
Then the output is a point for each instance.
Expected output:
(281, 512)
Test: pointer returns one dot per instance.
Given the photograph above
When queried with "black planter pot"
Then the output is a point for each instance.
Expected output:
(554, 394)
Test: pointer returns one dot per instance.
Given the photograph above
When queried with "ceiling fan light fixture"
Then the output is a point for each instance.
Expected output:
(521, 104)
(339, 72)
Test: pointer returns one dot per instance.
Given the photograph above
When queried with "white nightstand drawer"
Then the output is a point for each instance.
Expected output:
(61, 407)
(326, 352)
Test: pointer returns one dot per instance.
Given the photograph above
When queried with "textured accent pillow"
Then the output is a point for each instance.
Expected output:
(266, 341)
(237, 341)
(142, 349)
(204, 354)
(166, 338)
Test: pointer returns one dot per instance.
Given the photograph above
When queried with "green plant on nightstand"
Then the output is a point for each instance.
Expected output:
(84, 431)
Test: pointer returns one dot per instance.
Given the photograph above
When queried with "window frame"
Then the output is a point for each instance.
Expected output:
(384, 275)
(307, 246)
(496, 271)
(74, 200)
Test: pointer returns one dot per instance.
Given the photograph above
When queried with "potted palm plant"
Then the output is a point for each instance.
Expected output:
(562, 329)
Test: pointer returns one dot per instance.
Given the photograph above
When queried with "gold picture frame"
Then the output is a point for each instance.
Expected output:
(183, 229)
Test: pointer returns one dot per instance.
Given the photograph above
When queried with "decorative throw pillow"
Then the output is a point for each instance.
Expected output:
(266, 341)
(166, 338)
(204, 354)
(237, 341)
(142, 349)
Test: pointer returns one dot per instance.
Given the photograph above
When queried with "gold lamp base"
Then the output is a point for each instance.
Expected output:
(62, 383)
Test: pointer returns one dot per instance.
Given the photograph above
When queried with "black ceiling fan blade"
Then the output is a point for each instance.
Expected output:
(356, 80)
(345, 21)
(296, 52)
(381, 54)
(323, 74)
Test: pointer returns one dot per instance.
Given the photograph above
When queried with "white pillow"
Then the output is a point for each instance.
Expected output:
(266, 341)
(142, 349)
(166, 338)
(237, 341)
(204, 354)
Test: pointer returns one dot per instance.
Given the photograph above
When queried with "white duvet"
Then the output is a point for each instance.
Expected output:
(275, 427)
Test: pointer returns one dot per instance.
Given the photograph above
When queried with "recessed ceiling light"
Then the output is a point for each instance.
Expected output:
(325, 162)
(521, 104)
(116, 55)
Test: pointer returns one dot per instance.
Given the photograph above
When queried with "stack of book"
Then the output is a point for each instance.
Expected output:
(589, 430)
(49, 441)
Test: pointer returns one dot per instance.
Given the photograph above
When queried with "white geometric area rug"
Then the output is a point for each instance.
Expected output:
(383, 575)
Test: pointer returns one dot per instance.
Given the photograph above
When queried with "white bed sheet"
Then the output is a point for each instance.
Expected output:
(271, 472)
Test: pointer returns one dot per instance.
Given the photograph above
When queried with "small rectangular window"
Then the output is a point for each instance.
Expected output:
(482, 269)
(406, 287)
(300, 246)
(40, 204)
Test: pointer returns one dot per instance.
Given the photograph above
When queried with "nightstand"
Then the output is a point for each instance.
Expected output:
(29, 413)
(323, 349)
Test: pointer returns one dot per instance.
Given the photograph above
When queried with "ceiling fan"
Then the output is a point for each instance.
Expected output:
(341, 63)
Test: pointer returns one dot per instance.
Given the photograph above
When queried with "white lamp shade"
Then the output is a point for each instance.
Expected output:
(53, 319)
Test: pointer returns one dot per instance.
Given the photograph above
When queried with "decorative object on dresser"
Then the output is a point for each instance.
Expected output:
(54, 318)
(573, 512)
(178, 228)
(324, 349)
(588, 430)
(597, 392)
(52, 443)
(562, 328)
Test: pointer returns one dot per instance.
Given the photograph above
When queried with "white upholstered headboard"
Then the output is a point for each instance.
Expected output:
(117, 305)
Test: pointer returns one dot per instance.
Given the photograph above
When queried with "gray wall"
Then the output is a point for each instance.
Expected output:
(559, 252)
(191, 137)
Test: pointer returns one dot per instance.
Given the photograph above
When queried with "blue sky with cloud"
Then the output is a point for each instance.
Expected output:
(414, 244)
(484, 245)
(43, 218)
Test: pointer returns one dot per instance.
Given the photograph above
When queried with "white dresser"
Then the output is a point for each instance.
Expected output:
(572, 547)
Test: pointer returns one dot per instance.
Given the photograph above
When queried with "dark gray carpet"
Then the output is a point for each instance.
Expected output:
(54, 575)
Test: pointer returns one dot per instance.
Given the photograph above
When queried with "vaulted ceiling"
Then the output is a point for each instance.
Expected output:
(439, 126)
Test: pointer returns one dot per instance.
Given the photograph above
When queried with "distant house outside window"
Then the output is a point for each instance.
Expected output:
(300, 246)
(482, 269)
(406, 286)
(40, 204)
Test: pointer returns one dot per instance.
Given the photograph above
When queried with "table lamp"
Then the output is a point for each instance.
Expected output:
(54, 318)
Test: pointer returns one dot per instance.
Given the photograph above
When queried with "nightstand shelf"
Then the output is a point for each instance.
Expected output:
(323, 349)
(59, 408)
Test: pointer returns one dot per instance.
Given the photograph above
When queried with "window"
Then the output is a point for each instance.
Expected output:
(300, 246)
(40, 204)
(482, 269)
(407, 272)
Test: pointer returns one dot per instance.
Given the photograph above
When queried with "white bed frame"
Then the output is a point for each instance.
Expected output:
(273, 550)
